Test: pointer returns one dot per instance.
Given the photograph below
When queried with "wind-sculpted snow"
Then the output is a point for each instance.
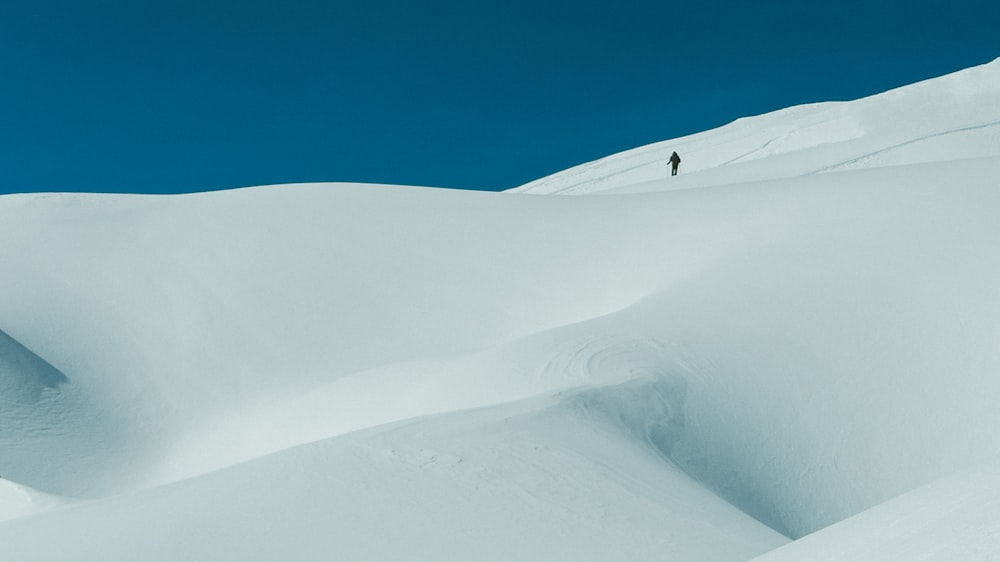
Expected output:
(24, 376)
(955, 518)
(509, 483)
(320, 371)
(53, 434)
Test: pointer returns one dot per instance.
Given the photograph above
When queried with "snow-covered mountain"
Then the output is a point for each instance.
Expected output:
(795, 337)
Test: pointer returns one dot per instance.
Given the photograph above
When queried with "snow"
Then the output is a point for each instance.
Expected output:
(792, 339)
(18, 501)
(948, 118)
(962, 508)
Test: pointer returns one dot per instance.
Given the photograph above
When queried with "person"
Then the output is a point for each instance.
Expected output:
(675, 161)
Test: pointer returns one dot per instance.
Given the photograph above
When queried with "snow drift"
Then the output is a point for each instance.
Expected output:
(798, 328)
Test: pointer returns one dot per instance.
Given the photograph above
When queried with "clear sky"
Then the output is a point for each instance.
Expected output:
(161, 96)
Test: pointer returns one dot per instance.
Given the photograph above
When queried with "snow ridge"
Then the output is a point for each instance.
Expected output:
(952, 117)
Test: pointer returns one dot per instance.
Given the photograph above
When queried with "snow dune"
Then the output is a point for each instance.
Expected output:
(775, 344)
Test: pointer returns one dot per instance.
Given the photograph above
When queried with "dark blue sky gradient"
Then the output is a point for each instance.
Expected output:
(160, 96)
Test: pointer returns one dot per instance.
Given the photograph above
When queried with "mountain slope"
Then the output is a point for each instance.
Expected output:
(381, 372)
(948, 118)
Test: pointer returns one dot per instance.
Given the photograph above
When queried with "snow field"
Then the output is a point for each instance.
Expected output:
(777, 343)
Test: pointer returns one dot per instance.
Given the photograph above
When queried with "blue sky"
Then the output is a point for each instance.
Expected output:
(159, 96)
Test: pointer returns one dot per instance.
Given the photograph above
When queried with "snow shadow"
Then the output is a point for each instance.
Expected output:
(24, 376)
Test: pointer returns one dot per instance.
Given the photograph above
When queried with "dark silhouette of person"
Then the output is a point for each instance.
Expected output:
(675, 161)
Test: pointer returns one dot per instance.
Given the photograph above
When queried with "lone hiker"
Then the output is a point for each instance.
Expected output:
(674, 162)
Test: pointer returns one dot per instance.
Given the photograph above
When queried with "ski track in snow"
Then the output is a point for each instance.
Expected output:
(848, 164)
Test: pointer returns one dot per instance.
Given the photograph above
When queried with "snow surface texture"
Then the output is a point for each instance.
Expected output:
(796, 337)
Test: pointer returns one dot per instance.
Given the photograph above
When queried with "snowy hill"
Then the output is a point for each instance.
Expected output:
(796, 337)
(949, 118)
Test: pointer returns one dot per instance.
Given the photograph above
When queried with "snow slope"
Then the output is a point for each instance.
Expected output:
(797, 329)
(955, 518)
(518, 482)
(949, 118)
